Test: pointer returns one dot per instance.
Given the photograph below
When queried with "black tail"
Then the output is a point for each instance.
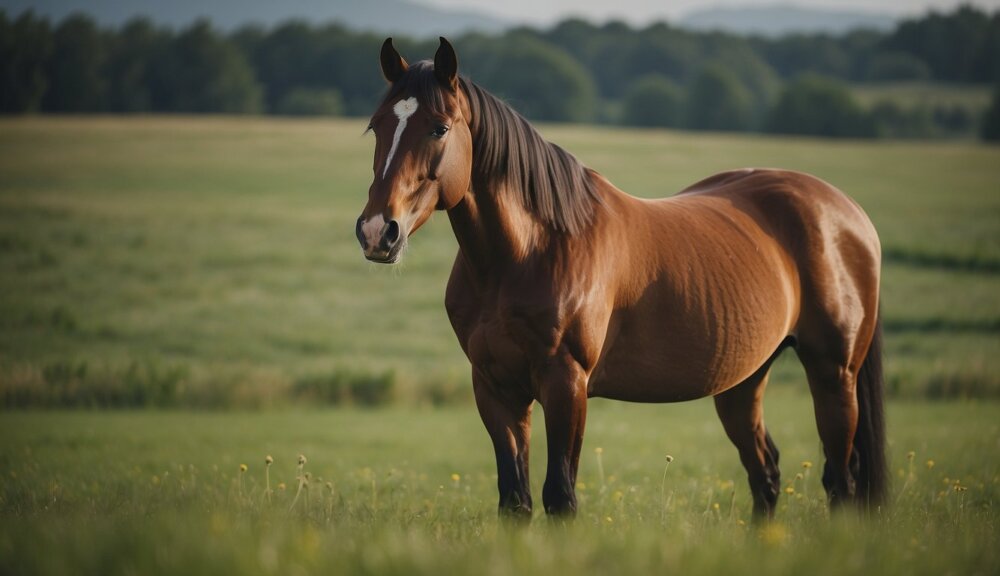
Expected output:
(869, 440)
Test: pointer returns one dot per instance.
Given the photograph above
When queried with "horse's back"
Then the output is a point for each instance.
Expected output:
(809, 217)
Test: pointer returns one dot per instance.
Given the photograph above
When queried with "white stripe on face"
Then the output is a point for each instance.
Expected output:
(403, 109)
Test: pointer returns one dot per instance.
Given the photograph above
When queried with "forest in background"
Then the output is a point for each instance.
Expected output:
(657, 76)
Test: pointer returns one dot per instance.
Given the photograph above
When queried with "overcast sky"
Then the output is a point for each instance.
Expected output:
(645, 11)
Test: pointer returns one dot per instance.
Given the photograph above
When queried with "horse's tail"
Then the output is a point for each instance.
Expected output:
(869, 439)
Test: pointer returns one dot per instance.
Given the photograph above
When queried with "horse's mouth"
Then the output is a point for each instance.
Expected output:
(383, 259)
(387, 257)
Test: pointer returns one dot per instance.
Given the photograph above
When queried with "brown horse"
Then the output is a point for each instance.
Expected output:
(565, 287)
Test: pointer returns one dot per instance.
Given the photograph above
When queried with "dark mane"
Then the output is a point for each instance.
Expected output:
(509, 153)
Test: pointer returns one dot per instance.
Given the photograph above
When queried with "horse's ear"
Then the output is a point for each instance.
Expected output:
(393, 65)
(446, 64)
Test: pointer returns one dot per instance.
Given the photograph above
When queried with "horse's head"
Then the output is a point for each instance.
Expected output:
(423, 151)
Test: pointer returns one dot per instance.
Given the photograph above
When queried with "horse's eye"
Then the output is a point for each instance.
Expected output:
(439, 131)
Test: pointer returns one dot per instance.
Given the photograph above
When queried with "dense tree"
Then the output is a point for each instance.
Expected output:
(955, 46)
(202, 72)
(796, 54)
(286, 58)
(575, 71)
(987, 65)
(540, 81)
(717, 101)
(819, 106)
(653, 100)
(754, 74)
(131, 55)
(893, 66)
(25, 48)
(990, 130)
(349, 63)
(77, 82)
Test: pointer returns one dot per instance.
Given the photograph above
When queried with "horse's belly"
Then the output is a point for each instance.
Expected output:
(649, 379)
(651, 359)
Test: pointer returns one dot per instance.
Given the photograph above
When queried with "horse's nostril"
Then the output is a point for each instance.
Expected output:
(360, 233)
(392, 233)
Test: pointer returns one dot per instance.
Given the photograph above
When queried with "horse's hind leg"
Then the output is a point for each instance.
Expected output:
(741, 410)
(836, 406)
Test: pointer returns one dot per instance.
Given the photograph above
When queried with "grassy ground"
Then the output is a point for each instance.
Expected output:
(213, 260)
(413, 491)
(972, 97)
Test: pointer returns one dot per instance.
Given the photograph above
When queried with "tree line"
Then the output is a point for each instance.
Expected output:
(573, 72)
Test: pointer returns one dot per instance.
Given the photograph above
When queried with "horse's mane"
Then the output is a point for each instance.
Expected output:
(510, 154)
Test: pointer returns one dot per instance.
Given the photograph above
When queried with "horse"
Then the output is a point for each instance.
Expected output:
(565, 288)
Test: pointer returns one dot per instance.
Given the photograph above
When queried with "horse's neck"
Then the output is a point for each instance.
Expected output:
(493, 228)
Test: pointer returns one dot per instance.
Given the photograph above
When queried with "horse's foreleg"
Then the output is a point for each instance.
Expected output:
(562, 391)
(741, 410)
(507, 417)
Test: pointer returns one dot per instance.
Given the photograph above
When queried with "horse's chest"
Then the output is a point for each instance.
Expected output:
(498, 340)
(494, 350)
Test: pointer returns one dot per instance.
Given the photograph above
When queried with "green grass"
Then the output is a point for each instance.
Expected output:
(972, 97)
(161, 492)
(221, 251)
(205, 262)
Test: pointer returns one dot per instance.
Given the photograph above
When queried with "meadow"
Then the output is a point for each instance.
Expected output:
(971, 97)
(403, 491)
(212, 262)
(207, 267)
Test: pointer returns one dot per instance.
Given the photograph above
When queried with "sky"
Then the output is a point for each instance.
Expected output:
(543, 12)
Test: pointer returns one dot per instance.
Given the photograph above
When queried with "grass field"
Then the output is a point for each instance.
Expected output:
(211, 263)
(400, 491)
(972, 97)
(214, 259)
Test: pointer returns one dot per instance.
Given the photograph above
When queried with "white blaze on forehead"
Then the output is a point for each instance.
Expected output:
(403, 109)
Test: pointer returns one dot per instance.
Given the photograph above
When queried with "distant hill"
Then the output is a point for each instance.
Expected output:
(383, 16)
(780, 19)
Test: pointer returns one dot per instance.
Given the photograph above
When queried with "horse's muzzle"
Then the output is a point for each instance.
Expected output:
(386, 246)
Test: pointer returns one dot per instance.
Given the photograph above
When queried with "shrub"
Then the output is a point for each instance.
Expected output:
(653, 101)
(896, 66)
(540, 81)
(718, 101)
(819, 106)
(990, 130)
(346, 387)
(311, 102)
(893, 121)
